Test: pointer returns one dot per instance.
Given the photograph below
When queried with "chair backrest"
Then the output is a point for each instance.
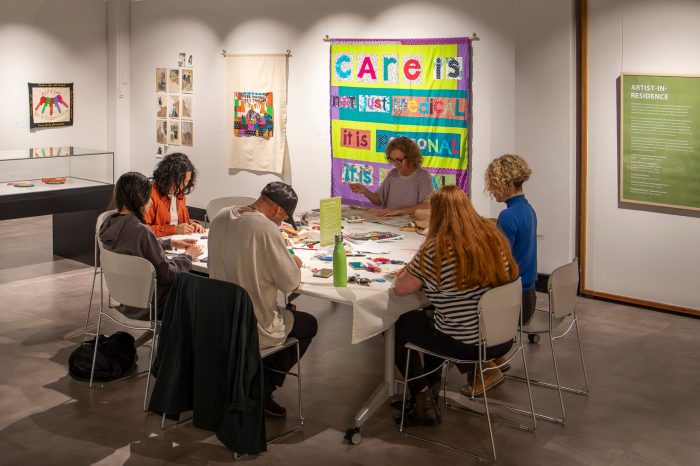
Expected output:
(500, 313)
(130, 279)
(215, 205)
(563, 287)
(100, 220)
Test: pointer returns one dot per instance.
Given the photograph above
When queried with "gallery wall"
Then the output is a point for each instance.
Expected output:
(161, 29)
(631, 253)
(41, 41)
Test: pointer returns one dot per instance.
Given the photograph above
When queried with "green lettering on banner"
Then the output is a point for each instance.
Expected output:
(331, 220)
(660, 146)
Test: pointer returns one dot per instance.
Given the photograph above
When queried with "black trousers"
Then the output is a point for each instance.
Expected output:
(417, 328)
(529, 302)
(304, 330)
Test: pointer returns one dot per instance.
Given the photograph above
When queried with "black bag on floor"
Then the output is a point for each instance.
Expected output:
(116, 354)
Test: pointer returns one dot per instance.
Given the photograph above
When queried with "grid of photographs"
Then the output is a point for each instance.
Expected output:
(174, 92)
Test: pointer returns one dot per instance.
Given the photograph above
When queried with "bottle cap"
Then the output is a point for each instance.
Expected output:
(338, 238)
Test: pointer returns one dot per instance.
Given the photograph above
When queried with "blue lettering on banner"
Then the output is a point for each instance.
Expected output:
(433, 144)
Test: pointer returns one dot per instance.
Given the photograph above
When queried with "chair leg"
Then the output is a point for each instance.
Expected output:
(529, 388)
(150, 364)
(405, 390)
(94, 354)
(301, 415)
(580, 352)
(488, 414)
(556, 374)
(92, 293)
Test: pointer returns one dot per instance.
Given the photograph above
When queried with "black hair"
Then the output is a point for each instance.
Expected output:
(171, 172)
(132, 192)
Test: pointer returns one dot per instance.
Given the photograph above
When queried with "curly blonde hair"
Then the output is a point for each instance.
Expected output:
(505, 170)
(408, 147)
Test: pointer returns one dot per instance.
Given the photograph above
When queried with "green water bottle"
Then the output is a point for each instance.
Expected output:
(340, 264)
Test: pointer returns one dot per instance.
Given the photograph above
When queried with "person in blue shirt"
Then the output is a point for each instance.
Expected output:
(504, 181)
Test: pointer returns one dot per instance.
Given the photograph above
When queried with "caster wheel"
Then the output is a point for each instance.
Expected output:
(533, 337)
(353, 436)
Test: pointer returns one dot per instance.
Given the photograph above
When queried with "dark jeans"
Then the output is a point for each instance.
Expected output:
(529, 302)
(304, 330)
(417, 328)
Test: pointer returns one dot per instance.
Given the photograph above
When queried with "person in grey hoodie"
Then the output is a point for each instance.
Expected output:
(126, 233)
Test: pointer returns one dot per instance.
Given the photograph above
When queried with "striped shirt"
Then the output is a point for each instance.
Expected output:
(456, 312)
(398, 191)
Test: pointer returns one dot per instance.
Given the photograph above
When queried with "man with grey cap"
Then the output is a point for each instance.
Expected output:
(246, 248)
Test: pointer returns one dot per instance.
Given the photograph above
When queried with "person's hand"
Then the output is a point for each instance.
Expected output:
(194, 251)
(297, 261)
(184, 229)
(387, 213)
(358, 188)
(182, 243)
(197, 227)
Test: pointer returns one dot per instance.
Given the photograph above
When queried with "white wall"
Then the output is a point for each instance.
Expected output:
(160, 29)
(53, 41)
(643, 255)
(545, 122)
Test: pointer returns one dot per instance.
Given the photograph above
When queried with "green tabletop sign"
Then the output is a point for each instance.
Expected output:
(660, 123)
(331, 220)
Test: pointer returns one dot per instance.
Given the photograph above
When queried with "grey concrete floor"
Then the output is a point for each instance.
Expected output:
(642, 409)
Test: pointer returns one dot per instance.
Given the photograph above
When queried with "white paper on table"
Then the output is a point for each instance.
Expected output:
(371, 247)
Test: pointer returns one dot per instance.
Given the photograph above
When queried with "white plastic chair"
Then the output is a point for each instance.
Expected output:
(96, 270)
(131, 281)
(562, 288)
(215, 205)
(499, 319)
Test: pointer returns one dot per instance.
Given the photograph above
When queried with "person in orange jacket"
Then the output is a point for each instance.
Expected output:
(173, 178)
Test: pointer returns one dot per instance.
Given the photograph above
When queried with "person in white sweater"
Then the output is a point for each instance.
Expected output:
(247, 249)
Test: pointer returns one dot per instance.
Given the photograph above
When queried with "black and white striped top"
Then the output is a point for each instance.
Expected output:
(456, 312)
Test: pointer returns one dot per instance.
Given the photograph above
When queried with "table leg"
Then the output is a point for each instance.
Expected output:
(385, 389)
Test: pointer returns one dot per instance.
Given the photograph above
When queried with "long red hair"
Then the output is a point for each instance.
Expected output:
(482, 252)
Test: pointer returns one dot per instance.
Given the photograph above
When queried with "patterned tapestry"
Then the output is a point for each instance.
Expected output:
(383, 88)
(256, 125)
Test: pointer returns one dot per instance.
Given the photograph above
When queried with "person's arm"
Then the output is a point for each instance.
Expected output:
(406, 283)
(410, 210)
(184, 221)
(151, 219)
(508, 226)
(284, 267)
(166, 269)
(362, 189)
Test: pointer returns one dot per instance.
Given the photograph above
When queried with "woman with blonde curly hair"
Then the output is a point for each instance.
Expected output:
(462, 257)
(504, 181)
(406, 187)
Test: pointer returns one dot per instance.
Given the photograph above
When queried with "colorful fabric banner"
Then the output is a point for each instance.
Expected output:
(380, 89)
(257, 125)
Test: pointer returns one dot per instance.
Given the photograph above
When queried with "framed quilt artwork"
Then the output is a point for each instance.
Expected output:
(50, 105)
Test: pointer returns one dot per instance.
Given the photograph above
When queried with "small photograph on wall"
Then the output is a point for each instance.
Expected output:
(173, 106)
(162, 102)
(161, 79)
(50, 105)
(174, 80)
(187, 135)
(187, 78)
(186, 106)
(184, 59)
(161, 151)
(174, 132)
(162, 131)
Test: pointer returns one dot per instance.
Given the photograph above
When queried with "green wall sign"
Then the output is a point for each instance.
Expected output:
(660, 147)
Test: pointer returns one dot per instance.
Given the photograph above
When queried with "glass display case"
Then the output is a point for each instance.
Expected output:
(73, 184)
(54, 168)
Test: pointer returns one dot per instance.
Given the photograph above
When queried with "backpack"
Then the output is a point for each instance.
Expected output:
(116, 354)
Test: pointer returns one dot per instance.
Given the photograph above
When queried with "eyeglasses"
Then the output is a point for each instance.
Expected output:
(396, 161)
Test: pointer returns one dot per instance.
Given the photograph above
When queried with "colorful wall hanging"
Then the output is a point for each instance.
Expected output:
(256, 124)
(383, 88)
(50, 105)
